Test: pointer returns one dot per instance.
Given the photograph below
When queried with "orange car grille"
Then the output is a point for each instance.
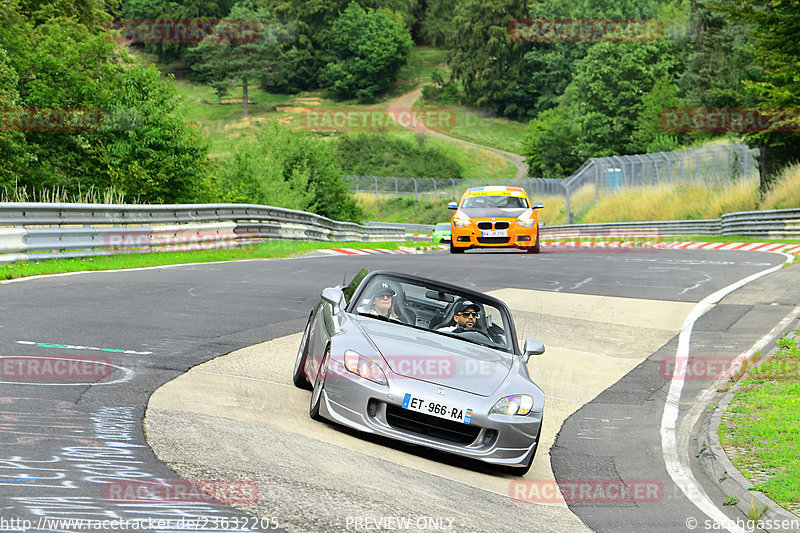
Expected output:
(503, 224)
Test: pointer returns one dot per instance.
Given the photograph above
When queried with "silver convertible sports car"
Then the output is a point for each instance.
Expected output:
(423, 362)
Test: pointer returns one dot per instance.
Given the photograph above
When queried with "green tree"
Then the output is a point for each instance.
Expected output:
(169, 49)
(485, 59)
(436, 26)
(775, 45)
(549, 144)
(365, 51)
(135, 140)
(12, 143)
(259, 57)
(609, 84)
(648, 126)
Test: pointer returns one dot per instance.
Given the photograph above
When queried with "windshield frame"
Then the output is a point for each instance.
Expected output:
(429, 284)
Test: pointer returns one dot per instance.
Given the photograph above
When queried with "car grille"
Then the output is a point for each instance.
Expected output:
(503, 224)
(493, 240)
(431, 426)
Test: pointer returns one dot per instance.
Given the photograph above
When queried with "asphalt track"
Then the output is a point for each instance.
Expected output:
(608, 319)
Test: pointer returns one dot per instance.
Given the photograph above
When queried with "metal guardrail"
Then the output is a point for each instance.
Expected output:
(44, 231)
(775, 224)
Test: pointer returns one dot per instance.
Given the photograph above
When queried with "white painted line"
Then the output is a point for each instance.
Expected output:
(680, 472)
(738, 362)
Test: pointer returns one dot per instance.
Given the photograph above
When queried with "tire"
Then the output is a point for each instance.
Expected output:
(299, 375)
(319, 385)
(536, 248)
(455, 250)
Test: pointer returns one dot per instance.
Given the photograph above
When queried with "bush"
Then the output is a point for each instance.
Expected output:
(290, 169)
(378, 154)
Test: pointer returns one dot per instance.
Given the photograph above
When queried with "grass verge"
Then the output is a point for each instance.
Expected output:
(265, 250)
(760, 430)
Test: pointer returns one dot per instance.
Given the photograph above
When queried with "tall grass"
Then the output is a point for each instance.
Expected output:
(673, 202)
(785, 190)
(58, 195)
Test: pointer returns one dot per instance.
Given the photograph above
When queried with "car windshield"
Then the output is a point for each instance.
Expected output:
(427, 305)
(445, 226)
(495, 202)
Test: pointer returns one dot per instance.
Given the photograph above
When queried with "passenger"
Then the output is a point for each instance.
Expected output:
(382, 302)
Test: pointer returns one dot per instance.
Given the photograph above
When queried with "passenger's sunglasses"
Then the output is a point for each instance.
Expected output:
(469, 313)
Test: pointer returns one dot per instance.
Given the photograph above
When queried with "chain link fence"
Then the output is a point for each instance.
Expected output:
(708, 166)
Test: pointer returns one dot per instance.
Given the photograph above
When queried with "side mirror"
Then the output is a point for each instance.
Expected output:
(532, 347)
(452, 205)
(538, 205)
(333, 296)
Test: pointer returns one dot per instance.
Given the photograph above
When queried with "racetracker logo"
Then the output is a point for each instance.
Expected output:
(179, 492)
(589, 491)
(585, 30)
(185, 31)
(730, 120)
(50, 119)
(26, 368)
(391, 119)
(721, 368)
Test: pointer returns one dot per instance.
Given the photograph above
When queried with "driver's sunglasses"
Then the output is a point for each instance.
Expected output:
(385, 295)
(469, 313)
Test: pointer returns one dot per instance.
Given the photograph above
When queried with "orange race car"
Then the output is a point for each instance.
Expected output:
(495, 216)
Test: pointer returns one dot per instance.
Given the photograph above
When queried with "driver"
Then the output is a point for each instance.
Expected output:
(466, 317)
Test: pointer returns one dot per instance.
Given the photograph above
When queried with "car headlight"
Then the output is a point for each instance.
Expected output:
(526, 219)
(364, 367)
(461, 220)
(519, 404)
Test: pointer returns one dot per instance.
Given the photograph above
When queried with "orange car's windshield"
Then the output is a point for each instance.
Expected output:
(499, 202)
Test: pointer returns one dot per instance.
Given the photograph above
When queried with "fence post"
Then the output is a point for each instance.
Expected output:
(746, 153)
(596, 180)
(416, 197)
(435, 192)
(396, 190)
(376, 188)
(454, 187)
(569, 212)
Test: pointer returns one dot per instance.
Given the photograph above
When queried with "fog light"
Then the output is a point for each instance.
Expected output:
(524, 238)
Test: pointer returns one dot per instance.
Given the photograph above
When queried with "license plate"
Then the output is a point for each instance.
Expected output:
(439, 409)
(495, 233)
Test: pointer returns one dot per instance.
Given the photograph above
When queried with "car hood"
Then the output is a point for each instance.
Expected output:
(438, 359)
(494, 212)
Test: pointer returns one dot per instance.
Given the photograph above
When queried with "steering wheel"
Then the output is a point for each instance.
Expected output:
(472, 334)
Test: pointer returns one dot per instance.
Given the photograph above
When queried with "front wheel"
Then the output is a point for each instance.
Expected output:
(319, 385)
(536, 248)
(455, 250)
(299, 374)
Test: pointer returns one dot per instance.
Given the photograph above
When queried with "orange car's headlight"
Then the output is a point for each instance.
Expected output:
(526, 219)
(461, 220)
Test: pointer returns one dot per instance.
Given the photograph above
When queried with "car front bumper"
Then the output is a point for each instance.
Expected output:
(361, 404)
(472, 237)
